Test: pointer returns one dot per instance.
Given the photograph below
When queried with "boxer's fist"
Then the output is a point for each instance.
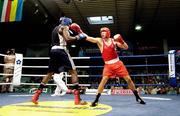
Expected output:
(81, 36)
(118, 38)
(75, 27)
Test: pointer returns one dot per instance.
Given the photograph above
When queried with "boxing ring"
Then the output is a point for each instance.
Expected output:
(146, 71)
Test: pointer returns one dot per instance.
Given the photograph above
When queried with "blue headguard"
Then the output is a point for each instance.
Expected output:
(65, 21)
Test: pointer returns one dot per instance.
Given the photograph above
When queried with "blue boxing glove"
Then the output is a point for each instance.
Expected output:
(81, 36)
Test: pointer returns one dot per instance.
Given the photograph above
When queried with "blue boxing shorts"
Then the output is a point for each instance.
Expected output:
(60, 59)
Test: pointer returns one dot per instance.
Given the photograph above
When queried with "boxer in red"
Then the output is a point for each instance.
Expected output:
(113, 66)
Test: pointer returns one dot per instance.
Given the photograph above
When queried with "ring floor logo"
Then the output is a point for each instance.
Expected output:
(53, 108)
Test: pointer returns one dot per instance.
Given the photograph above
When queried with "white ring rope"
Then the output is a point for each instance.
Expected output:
(3, 55)
(3, 74)
(46, 58)
(47, 66)
(6, 55)
(6, 64)
(41, 66)
(39, 84)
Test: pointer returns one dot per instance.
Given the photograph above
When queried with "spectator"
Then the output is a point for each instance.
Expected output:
(9, 60)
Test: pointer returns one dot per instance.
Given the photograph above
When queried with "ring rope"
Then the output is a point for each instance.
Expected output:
(53, 84)
(135, 84)
(95, 57)
(94, 84)
(6, 55)
(134, 75)
(141, 65)
(39, 84)
(3, 74)
(6, 64)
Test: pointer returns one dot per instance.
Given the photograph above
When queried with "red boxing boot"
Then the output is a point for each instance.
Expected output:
(36, 96)
(77, 99)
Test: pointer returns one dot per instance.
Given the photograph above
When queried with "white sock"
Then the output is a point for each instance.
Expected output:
(60, 83)
(57, 90)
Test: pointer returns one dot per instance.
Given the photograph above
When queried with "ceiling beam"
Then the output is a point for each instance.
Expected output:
(48, 15)
(116, 18)
(82, 18)
(155, 14)
(138, 11)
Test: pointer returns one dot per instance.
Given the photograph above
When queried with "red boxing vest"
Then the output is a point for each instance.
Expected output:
(109, 52)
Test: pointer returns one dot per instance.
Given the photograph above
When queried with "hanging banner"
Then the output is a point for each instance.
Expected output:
(17, 69)
(11, 10)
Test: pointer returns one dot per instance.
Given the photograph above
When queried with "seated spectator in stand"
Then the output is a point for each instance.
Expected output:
(141, 90)
(9, 61)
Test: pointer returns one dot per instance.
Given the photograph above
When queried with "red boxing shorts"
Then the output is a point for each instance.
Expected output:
(117, 69)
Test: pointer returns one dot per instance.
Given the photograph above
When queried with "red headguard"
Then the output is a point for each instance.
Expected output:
(107, 30)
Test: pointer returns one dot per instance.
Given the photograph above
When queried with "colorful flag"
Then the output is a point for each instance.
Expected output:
(11, 10)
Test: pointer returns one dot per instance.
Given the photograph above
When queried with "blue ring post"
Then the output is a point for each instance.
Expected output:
(172, 68)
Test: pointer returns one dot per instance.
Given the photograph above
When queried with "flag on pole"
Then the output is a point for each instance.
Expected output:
(11, 10)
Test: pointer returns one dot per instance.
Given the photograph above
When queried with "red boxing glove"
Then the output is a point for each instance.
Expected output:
(75, 27)
(118, 38)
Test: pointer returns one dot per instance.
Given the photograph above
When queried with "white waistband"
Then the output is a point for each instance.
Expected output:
(112, 61)
(59, 47)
